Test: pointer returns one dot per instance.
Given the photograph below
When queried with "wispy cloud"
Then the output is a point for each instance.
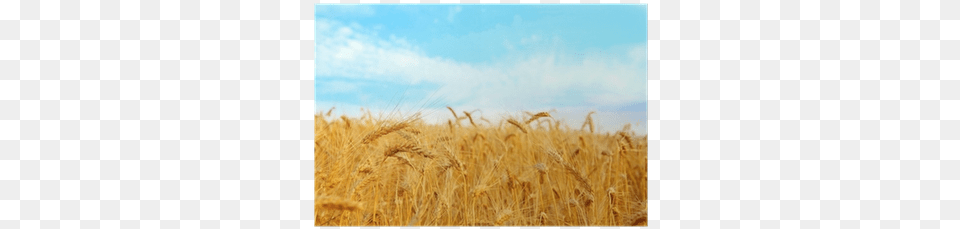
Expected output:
(453, 12)
(543, 79)
(336, 87)
(501, 60)
(530, 40)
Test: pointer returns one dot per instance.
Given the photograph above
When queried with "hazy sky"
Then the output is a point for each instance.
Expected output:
(495, 58)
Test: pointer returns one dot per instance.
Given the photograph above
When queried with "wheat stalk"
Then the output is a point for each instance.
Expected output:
(617, 216)
(346, 120)
(479, 190)
(363, 183)
(479, 135)
(627, 138)
(537, 116)
(503, 216)
(453, 112)
(583, 143)
(485, 120)
(355, 186)
(384, 131)
(406, 136)
(330, 111)
(407, 161)
(589, 122)
(543, 218)
(470, 117)
(403, 147)
(517, 124)
(507, 138)
(571, 170)
(541, 168)
(336, 203)
(639, 217)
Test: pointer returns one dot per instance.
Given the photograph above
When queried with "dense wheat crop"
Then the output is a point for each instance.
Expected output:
(523, 171)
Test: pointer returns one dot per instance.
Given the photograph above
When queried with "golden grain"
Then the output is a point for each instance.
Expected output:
(627, 138)
(588, 122)
(517, 124)
(486, 175)
(502, 217)
(470, 117)
(453, 112)
(336, 203)
(384, 131)
(507, 138)
(346, 120)
(537, 116)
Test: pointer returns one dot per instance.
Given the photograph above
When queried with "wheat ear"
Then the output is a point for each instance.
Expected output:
(336, 203)
(517, 124)
(571, 170)
(384, 131)
(453, 112)
(471, 118)
(543, 218)
(346, 120)
(502, 217)
(627, 138)
(403, 147)
(589, 122)
(537, 116)
(507, 138)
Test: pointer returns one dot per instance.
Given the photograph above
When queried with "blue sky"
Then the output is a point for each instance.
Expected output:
(496, 58)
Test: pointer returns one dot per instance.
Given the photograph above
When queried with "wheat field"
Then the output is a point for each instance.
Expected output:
(529, 170)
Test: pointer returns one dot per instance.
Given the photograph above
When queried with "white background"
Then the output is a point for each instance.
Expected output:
(198, 114)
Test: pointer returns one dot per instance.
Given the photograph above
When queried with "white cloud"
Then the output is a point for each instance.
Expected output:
(530, 40)
(638, 54)
(333, 87)
(453, 12)
(529, 82)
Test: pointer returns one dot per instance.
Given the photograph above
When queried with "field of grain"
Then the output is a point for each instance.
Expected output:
(529, 170)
